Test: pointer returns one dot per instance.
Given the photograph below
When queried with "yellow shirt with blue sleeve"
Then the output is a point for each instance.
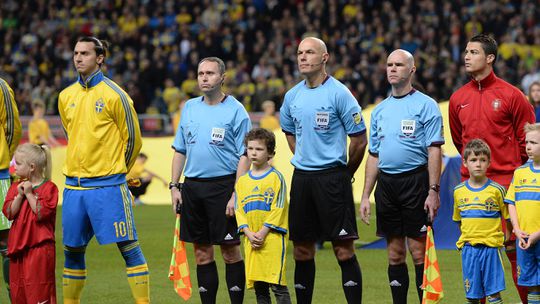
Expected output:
(102, 129)
(262, 201)
(524, 194)
(480, 211)
(10, 127)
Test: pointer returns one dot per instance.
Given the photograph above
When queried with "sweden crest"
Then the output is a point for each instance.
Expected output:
(99, 105)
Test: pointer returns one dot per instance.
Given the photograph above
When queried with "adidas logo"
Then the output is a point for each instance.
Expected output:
(395, 283)
(423, 229)
(343, 232)
(202, 289)
(299, 286)
(228, 237)
(350, 284)
(235, 288)
(255, 189)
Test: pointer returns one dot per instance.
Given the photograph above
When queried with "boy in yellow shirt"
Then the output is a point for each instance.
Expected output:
(478, 208)
(523, 200)
(262, 213)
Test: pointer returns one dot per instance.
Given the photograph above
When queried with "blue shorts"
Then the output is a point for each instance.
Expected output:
(105, 212)
(528, 265)
(483, 272)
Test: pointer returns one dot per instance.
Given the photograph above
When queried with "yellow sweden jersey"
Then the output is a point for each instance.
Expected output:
(524, 193)
(480, 211)
(262, 200)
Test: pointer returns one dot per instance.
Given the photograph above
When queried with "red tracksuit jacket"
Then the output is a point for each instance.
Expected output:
(496, 112)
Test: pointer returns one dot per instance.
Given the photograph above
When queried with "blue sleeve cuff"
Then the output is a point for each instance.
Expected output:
(276, 228)
(509, 202)
(240, 228)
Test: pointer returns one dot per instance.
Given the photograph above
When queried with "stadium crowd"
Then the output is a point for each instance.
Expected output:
(156, 44)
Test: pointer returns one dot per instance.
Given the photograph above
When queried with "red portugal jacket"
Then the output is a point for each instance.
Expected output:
(496, 112)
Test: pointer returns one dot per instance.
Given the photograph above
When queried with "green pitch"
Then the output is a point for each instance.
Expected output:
(107, 282)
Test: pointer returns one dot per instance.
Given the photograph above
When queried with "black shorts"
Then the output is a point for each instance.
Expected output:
(399, 199)
(322, 206)
(204, 201)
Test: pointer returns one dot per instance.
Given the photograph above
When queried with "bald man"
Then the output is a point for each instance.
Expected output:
(405, 162)
(317, 116)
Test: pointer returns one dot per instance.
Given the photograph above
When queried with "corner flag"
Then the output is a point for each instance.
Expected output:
(432, 284)
(179, 269)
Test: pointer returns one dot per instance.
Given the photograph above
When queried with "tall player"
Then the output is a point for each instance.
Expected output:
(103, 141)
(491, 109)
(10, 134)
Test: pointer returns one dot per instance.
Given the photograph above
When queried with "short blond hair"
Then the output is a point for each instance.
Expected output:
(529, 127)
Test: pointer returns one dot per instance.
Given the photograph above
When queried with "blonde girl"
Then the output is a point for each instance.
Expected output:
(31, 205)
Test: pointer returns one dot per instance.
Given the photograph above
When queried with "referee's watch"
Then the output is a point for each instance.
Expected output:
(435, 187)
(175, 185)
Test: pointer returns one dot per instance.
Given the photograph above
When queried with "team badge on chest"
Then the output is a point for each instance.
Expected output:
(407, 127)
(496, 104)
(100, 105)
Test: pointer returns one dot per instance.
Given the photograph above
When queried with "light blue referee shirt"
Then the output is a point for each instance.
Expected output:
(321, 118)
(212, 136)
(402, 128)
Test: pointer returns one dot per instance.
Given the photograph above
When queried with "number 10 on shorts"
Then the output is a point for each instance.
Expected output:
(120, 229)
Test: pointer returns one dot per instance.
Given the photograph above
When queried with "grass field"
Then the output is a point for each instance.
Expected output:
(107, 282)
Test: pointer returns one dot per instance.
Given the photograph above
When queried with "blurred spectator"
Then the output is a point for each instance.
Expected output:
(158, 39)
(534, 98)
(269, 120)
(39, 132)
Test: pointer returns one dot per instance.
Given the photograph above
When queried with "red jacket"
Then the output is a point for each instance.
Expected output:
(496, 112)
(28, 230)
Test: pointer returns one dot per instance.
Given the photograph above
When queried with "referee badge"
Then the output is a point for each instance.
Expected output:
(357, 118)
(217, 137)
(407, 127)
(322, 120)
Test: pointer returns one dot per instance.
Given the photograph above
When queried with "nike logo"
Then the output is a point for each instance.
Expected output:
(464, 105)
(43, 302)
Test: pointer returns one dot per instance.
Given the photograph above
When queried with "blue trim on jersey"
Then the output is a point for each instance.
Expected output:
(102, 181)
(137, 274)
(472, 189)
(92, 80)
(480, 214)
(531, 166)
(256, 205)
(276, 228)
(242, 227)
(509, 202)
(522, 196)
(4, 174)
(250, 172)
(130, 145)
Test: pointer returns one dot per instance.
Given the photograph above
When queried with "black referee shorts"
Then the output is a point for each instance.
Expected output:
(204, 201)
(322, 206)
(399, 200)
